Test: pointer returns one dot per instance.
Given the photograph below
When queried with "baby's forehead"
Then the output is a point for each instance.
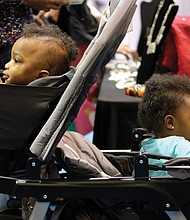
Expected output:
(29, 41)
(34, 39)
(48, 41)
(29, 48)
(42, 45)
(24, 43)
(34, 43)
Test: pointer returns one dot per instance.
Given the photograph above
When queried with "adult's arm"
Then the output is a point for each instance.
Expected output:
(45, 5)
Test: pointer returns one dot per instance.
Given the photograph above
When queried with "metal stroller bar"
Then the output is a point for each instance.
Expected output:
(159, 191)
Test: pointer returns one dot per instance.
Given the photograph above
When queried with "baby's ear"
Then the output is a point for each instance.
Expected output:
(169, 121)
(43, 73)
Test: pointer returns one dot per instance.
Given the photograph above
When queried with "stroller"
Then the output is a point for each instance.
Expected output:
(45, 108)
(39, 135)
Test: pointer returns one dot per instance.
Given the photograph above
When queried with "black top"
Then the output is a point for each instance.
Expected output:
(148, 62)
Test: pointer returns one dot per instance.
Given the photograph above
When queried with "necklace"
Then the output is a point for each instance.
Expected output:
(152, 44)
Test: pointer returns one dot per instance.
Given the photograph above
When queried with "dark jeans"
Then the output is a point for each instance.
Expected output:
(5, 56)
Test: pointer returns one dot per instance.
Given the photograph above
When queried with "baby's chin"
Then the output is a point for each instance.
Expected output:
(7, 82)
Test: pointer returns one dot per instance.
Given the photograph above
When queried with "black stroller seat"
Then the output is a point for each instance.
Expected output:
(23, 112)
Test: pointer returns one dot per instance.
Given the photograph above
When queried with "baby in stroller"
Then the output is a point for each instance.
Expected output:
(38, 53)
(164, 112)
(32, 59)
(29, 62)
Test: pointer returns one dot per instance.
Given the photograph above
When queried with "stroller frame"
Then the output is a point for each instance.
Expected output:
(140, 188)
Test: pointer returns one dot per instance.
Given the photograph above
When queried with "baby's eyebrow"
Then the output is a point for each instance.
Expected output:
(16, 54)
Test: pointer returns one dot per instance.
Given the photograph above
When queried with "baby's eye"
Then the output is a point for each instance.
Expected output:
(16, 61)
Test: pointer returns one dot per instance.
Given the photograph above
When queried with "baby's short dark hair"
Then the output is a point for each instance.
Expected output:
(163, 95)
(60, 50)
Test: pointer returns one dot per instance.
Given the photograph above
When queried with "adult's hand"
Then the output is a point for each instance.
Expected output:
(45, 5)
(51, 16)
(126, 50)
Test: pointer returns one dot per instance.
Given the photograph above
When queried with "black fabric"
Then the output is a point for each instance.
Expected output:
(5, 56)
(116, 115)
(63, 20)
(54, 81)
(23, 112)
(77, 209)
(148, 62)
(125, 164)
(147, 10)
(85, 209)
(78, 22)
(179, 161)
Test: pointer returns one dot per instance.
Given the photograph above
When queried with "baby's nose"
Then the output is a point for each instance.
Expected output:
(7, 65)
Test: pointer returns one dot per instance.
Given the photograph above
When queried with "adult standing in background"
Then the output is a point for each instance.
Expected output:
(13, 15)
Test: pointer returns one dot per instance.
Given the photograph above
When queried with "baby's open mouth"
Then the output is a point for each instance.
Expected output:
(3, 76)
